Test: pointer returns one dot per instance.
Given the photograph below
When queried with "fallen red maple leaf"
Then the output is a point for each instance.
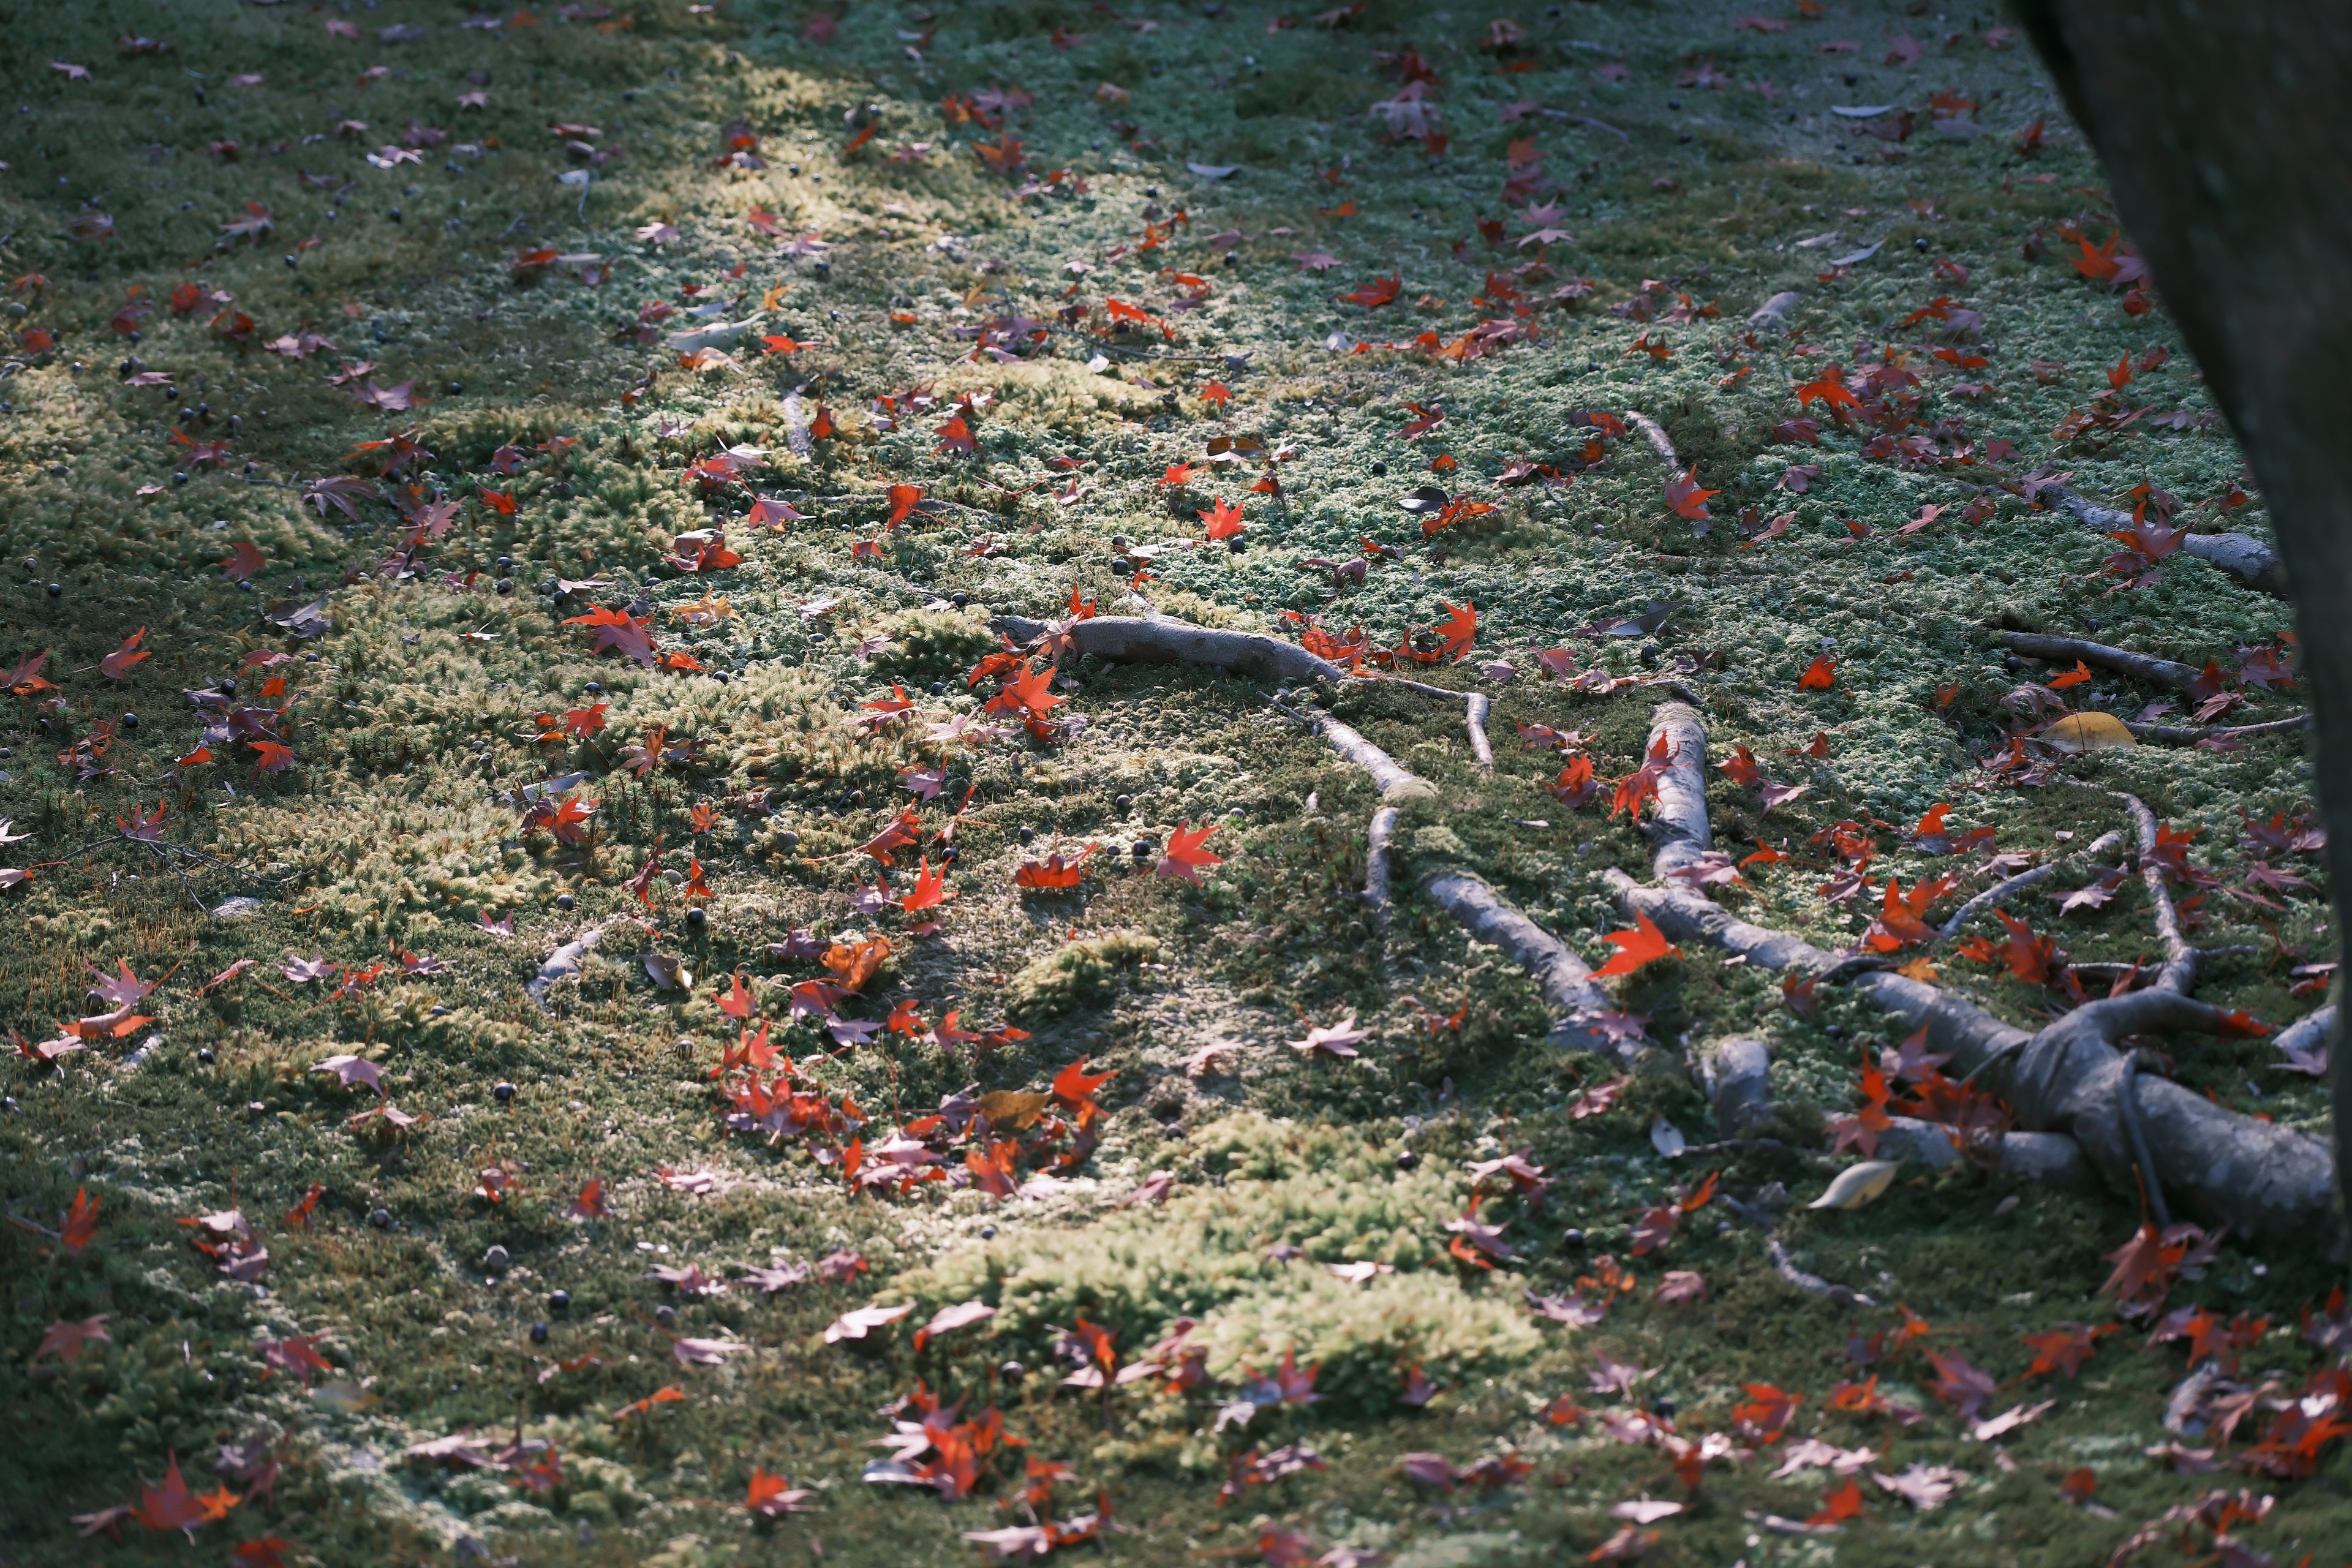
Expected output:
(1184, 856)
(1684, 494)
(1635, 947)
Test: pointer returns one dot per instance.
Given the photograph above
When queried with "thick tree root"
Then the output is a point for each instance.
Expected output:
(2156, 671)
(1379, 847)
(1680, 829)
(1810, 1284)
(2070, 1077)
(2139, 665)
(1151, 639)
(2243, 556)
(1567, 984)
(1738, 1077)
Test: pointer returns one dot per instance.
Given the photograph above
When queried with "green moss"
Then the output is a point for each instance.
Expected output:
(1086, 972)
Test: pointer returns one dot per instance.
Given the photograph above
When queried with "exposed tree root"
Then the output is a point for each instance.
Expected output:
(1566, 982)
(2000, 892)
(1474, 720)
(1680, 829)
(1476, 706)
(1379, 850)
(2071, 1077)
(1738, 1077)
(1141, 639)
(2140, 666)
(2156, 671)
(1810, 1284)
(1657, 437)
(2189, 735)
(2243, 556)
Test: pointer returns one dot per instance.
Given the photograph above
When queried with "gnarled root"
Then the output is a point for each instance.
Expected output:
(1774, 312)
(2000, 892)
(2071, 1077)
(1680, 829)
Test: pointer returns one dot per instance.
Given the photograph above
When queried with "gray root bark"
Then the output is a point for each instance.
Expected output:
(1474, 719)
(2225, 1168)
(2309, 1032)
(1738, 1077)
(2140, 666)
(1564, 979)
(2188, 119)
(1680, 830)
(1380, 843)
(1150, 639)
(1774, 312)
(2189, 735)
(1566, 982)
(2242, 555)
(1655, 435)
(2180, 971)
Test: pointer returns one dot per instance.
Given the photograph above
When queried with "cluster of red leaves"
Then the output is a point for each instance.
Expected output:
(1973, 1118)
(1453, 636)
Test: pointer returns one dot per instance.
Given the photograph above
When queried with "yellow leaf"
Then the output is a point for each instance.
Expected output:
(1009, 1110)
(1919, 969)
(2087, 733)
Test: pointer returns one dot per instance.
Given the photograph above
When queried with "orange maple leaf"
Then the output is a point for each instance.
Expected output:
(1635, 947)
(902, 832)
(80, 1223)
(1460, 629)
(1225, 521)
(1830, 389)
(930, 889)
(1820, 676)
(902, 499)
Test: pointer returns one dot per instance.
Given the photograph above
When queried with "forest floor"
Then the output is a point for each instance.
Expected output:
(357, 353)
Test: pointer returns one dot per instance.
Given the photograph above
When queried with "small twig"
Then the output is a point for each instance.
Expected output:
(1420, 685)
(2001, 892)
(1588, 120)
(1731, 1146)
(1474, 720)
(164, 855)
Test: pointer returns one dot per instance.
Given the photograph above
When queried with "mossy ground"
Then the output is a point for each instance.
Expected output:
(415, 709)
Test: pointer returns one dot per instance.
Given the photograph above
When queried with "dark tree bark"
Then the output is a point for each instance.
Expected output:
(2226, 134)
